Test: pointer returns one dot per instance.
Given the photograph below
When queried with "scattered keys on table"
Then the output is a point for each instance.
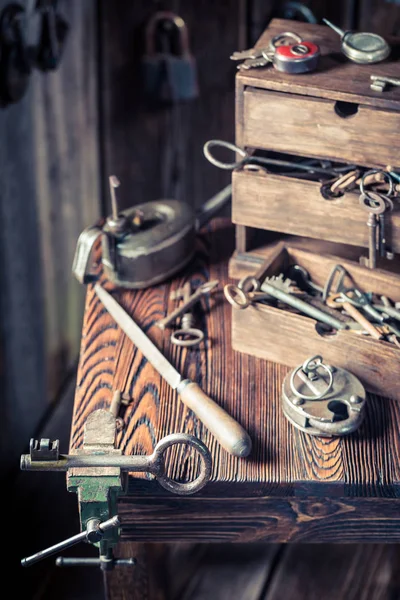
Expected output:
(298, 57)
(187, 335)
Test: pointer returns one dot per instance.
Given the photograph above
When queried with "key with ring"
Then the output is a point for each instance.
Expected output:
(189, 301)
(369, 198)
(154, 463)
(240, 299)
(299, 57)
(187, 335)
(351, 309)
(375, 205)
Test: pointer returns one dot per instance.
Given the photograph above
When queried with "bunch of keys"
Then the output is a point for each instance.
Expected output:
(288, 57)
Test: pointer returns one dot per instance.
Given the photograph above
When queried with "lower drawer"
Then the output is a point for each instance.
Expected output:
(284, 337)
(296, 206)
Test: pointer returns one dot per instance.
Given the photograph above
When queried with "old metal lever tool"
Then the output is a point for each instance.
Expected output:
(361, 47)
(225, 429)
(97, 473)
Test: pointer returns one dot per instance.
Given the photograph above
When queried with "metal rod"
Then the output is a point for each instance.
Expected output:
(334, 27)
(69, 461)
(114, 183)
(93, 527)
(30, 560)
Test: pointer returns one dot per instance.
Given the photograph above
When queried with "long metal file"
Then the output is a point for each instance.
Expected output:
(225, 429)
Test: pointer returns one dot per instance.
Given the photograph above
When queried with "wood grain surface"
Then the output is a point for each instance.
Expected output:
(247, 498)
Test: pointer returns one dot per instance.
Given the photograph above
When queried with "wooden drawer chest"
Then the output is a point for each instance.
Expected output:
(328, 114)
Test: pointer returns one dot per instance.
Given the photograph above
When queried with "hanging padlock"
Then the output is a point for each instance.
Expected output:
(53, 34)
(170, 73)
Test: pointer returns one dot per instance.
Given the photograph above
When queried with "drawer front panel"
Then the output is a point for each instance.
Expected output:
(296, 206)
(311, 127)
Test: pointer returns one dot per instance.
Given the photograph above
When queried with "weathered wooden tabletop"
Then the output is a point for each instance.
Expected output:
(293, 487)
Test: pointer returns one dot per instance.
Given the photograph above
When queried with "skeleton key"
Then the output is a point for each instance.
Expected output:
(184, 310)
(375, 205)
(250, 53)
(187, 335)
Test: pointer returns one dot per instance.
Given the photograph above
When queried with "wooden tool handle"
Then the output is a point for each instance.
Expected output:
(224, 428)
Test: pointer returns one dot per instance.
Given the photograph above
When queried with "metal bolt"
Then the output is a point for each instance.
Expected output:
(355, 399)
(298, 401)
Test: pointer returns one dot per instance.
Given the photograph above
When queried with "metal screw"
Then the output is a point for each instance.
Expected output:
(115, 407)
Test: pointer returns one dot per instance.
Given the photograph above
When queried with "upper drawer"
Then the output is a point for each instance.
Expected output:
(313, 127)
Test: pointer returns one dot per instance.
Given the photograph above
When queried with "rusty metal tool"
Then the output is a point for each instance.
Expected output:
(225, 429)
(97, 472)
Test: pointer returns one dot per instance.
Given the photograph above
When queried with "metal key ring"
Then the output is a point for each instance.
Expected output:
(157, 464)
(222, 144)
(195, 337)
(311, 364)
(286, 34)
(236, 296)
(378, 205)
(386, 175)
(249, 284)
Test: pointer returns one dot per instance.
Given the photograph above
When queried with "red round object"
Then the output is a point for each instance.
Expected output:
(289, 51)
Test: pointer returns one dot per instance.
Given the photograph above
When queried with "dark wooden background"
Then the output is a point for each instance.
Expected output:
(74, 128)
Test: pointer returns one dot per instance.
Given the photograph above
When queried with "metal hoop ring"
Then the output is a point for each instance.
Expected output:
(236, 296)
(195, 337)
(229, 146)
(306, 367)
(386, 175)
(158, 465)
(249, 284)
(378, 205)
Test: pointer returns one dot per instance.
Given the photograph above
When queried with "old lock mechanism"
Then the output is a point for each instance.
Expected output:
(323, 400)
(169, 69)
(145, 244)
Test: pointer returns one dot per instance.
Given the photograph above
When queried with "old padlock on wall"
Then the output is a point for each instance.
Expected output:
(169, 71)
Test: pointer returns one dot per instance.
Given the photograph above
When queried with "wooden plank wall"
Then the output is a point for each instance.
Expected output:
(159, 153)
(49, 170)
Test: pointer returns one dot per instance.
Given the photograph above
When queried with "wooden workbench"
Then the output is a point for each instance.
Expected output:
(293, 487)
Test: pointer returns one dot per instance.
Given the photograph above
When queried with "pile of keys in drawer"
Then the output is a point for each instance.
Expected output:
(335, 306)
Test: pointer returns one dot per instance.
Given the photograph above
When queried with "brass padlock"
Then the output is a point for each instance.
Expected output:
(169, 72)
(323, 400)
